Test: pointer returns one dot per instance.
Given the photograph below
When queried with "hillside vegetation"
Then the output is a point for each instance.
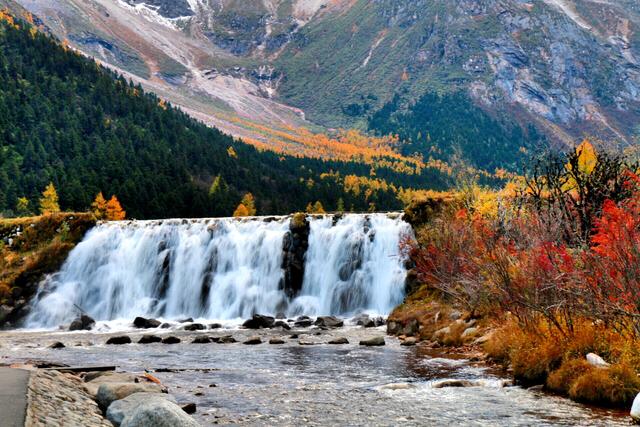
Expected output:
(64, 119)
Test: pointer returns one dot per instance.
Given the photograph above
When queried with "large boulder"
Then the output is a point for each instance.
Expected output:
(329, 322)
(259, 321)
(635, 410)
(118, 410)
(373, 342)
(142, 323)
(158, 413)
(119, 340)
(82, 323)
(110, 392)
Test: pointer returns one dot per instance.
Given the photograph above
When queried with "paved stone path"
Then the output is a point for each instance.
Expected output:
(13, 396)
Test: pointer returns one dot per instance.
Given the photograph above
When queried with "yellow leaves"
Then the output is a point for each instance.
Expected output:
(363, 185)
(232, 153)
(49, 201)
(587, 158)
(316, 208)
(247, 206)
(108, 210)
(162, 104)
(5, 16)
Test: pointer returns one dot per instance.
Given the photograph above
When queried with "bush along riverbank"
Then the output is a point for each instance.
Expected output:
(543, 275)
(30, 248)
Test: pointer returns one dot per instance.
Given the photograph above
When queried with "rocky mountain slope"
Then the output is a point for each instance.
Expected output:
(569, 67)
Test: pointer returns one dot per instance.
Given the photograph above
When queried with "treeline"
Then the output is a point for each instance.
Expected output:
(445, 126)
(66, 120)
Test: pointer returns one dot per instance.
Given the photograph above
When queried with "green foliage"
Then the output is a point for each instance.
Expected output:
(445, 126)
(66, 120)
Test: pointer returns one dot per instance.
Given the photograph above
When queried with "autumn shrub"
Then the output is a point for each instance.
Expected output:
(563, 378)
(614, 386)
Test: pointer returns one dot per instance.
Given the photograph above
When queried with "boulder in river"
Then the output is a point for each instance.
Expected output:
(189, 408)
(227, 339)
(259, 321)
(171, 340)
(143, 323)
(329, 322)
(119, 409)
(82, 323)
(110, 392)
(215, 326)
(57, 345)
(408, 342)
(119, 340)
(158, 413)
(597, 361)
(276, 341)
(339, 341)
(187, 320)
(253, 341)
(454, 383)
(194, 327)
(303, 322)
(201, 340)
(373, 342)
(635, 410)
(281, 324)
(149, 339)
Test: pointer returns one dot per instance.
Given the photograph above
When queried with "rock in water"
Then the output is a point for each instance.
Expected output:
(189, 408)
(110, 392)
(57, 345)
(281, 324)
(215, 326)
(142, 323)
(171, 340)
(373, 342)
(158, 413)
(597, 361)
(227, 339)
(635, 410)
(82, 323)
(339, 341)
(119, 340)
(201, 340)
(408, 342)
(259, 321)
(454, 383)
(119, 409)
(329, 322)
(276, 341)
(253, 341)
(194, 327)
(149, 339)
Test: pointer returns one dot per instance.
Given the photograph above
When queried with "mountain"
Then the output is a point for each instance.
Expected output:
(65, 119)
(567, 68)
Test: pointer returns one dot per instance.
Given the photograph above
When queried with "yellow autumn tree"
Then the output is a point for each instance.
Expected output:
(318, 208)
(49, 200)
(241, 211)
(99, 206)
(114, 211)
(249, 202)
(22, 206)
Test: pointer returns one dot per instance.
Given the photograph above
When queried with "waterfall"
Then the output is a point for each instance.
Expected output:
(226, 269)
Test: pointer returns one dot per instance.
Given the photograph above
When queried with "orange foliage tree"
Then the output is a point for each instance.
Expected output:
(114, 211)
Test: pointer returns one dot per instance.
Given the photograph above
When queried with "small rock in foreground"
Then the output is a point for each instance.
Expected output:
(119, 409)
(276, 341)
(110, 392)
(339, 341)
(158, 413)
(373, 342)
(253, 341)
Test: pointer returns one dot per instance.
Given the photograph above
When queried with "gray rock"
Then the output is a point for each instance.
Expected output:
(597, 361)
(253, 341)
(394, 328)
(276, 341)
(201, 340)
(119, 340)
(339, 341)
(158, 413)
(281, 324)
(149, 339)
(194, 327)
(454, 383)
(410, 341)
(373, 342)
(259, 321)
(635, 410)
(171, 340)
(227, 339)
(82, 323)
(329, 322)
(142, 323)
(57, 345)
(119, 409)
(110, 392)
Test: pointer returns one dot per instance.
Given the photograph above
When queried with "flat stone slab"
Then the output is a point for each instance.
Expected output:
(13, 396)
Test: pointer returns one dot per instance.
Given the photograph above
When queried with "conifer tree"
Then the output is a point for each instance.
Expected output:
(249, 203)
(318, 208)
(22, 207)
(49, 200)
(99, 206)
(241, 211)
(114, 211)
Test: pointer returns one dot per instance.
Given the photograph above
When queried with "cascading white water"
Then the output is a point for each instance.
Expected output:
(225, 269)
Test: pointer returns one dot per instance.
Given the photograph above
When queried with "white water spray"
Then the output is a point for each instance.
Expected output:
(225, 269)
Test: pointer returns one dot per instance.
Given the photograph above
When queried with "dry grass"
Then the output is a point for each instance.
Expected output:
(614, 386)
(563, 378)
